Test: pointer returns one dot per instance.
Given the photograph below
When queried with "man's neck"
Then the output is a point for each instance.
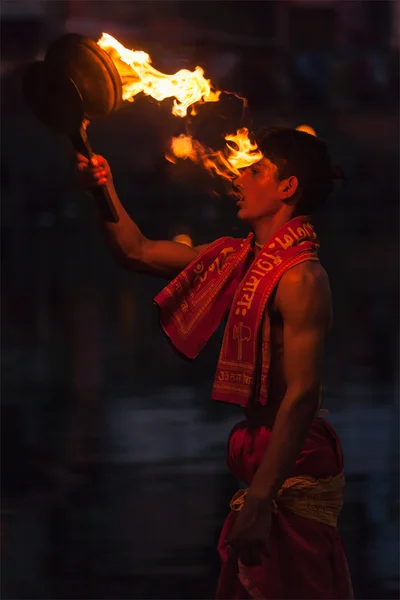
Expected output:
(266, 227)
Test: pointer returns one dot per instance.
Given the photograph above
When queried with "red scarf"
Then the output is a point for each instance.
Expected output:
(195, 302)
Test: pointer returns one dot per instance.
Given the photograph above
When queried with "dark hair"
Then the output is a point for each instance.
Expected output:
(297, 153)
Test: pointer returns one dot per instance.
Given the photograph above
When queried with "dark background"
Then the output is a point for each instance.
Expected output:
(114, 482)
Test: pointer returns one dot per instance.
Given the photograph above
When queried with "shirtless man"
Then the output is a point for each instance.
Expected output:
(280, 539)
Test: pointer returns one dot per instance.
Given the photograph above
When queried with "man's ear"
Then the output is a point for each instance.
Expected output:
(288, 187)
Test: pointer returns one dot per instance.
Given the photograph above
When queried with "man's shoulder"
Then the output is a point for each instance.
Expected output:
(305, 289)
(307, 274)
(229, 242)
(231, 239)
(220, 244)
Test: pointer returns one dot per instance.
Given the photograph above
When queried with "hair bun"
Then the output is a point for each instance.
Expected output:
(338, 174)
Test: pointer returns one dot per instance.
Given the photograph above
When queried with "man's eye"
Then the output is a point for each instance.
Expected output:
(254, 171)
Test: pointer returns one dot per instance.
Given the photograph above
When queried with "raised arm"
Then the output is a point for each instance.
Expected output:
(304, 300)
(129, 247)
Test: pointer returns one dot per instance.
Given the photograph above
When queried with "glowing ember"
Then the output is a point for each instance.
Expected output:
(239, 153)
(137, 75)
(182, 146)
(307, 129)
(182, 238)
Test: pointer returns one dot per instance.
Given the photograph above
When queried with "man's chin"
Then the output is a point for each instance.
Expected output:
(243, 215)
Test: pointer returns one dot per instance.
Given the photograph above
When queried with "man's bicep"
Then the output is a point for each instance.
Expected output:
(303, 356)
(304, 303)
(167, 258)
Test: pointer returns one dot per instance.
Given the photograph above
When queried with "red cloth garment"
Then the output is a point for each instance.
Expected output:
(217, 281)
(307, 559)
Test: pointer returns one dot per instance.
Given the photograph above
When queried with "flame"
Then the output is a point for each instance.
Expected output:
(187, 88)
(224, 163)
(183, 146)
(183, 238)
(138, 75)
(247, 153)
(307, 129)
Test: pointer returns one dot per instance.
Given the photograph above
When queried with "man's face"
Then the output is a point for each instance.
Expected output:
(259, 191)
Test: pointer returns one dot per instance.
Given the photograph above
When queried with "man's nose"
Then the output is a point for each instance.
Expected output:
(237, 182)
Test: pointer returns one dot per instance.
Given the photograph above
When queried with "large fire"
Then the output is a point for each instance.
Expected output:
(239, 152)
(138, 75)
(187, 88)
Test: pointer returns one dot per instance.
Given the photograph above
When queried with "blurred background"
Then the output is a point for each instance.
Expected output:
(114, 482)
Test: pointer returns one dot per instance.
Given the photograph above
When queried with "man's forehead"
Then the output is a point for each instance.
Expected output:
(266, 163)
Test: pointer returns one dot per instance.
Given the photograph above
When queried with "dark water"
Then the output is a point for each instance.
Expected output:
(141, 517)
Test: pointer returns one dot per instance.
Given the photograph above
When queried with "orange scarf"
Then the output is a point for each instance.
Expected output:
(195, 302)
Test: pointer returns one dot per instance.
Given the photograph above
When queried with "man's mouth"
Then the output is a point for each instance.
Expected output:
(237, 196)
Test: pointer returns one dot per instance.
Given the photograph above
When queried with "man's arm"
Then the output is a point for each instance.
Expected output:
(129, 247)
(304, 301)
(133, 251)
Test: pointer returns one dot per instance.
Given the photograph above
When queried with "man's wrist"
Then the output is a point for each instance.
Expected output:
(261, 493)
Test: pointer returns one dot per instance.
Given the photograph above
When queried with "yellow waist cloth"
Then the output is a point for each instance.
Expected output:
(318, 499)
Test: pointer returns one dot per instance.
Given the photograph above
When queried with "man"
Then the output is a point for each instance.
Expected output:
(280, 539)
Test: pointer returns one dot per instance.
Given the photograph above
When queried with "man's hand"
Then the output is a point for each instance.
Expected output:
(130, 248)
(249, 536)
(93, 172)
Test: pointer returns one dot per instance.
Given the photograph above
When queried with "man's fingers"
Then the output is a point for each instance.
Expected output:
(81, 158)
(251, 555)
(98, 161)
(95, 161)
(99, 176)
(92, 173)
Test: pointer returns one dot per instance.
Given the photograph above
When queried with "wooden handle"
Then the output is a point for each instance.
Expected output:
(102, 194)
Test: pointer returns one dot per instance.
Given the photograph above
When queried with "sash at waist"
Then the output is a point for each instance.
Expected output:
(318, 499)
